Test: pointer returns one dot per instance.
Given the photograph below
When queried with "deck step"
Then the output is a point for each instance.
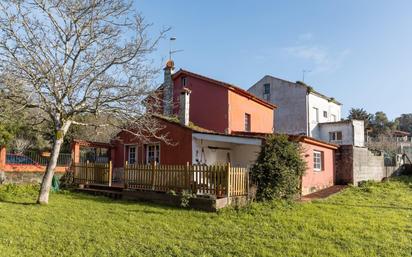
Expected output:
(108, 193)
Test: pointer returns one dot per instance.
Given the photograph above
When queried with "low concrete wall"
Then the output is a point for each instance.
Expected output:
(19, 177)
(198, 203)
(357, 164)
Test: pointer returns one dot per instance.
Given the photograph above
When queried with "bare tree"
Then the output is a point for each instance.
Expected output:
(70, 58)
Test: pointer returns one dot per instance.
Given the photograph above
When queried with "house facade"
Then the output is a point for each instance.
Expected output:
(346, 132)
(200, 117)
(304, 111)
(320, 160)
(209, 122)
(215, 105)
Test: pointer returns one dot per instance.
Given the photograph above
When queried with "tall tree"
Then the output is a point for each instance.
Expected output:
(360, 114)
(70, 58)
(405, 122)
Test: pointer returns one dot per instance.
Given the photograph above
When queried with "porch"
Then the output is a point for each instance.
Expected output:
(218, 185)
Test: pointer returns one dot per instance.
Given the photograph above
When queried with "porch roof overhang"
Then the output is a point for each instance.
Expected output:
(228, 139)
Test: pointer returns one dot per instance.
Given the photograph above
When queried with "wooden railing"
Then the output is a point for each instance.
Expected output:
(199, 179)
(92, 173)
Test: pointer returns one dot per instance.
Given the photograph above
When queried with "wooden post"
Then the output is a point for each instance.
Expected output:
(248, 183)
(110, 173)
(228, 183)
(187, 175)
(87, 172)
(153, 175)
(125, 175)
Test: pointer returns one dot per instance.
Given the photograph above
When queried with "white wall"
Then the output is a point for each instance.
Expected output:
(353, 132)
(322, 105)
(239, 154)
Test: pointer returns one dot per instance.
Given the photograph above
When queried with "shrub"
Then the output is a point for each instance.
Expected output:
(278, 169)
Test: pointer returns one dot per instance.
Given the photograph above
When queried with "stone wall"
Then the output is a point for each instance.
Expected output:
(344, 165)
(357, 164)
(22, 177)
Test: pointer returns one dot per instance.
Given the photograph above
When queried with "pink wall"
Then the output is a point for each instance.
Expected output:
(177, 151)
(23, 168)
(313, 180)
(261, 116)
(208, 103)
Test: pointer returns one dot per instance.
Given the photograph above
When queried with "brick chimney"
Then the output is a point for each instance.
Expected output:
(168, 89)
(184, 106)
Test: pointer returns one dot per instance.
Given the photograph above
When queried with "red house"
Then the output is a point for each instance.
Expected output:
(200, 116)
(212, 122)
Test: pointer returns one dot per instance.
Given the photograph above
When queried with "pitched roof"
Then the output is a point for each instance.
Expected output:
(198, 129)
(299, 138)
(231, 87)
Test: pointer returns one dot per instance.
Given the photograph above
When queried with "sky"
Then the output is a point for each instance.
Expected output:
(357, 51)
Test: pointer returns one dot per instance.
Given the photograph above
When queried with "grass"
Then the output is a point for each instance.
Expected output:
(373, 220)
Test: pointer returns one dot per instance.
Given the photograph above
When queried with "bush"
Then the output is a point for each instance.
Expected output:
(278, 169)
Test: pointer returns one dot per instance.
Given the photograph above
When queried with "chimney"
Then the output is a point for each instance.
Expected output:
(184, 106)
(168, 89)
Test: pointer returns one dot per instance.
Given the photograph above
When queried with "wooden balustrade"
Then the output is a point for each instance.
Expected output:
(198, 179)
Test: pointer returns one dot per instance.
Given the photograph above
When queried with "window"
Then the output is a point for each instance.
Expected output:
(152, 153)
(266, 91)
(318, 161)
(315, 114)
(184, 81)
(335, 136)
(247, 122)
(266, 88)
(132, 155)
(325, 114)
(333, 117)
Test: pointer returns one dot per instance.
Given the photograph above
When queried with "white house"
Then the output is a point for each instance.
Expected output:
(346, 132)
(301, 110)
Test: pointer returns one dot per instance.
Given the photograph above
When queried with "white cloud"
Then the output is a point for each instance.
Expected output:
(320, 58)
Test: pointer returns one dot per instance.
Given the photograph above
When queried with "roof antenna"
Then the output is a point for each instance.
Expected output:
(171, 52)
(303, 74)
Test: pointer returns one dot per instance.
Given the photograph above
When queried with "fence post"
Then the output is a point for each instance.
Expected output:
(248, 182)
(153, 174)
(110, 173)
(228, 182)
(87, 172)
(187, 176)
(125, 175)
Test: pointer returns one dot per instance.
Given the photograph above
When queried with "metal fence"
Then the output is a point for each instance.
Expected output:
(37, 158)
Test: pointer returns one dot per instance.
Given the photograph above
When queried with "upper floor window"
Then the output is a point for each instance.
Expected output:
(266, 91)
(266, 88)
(325, 114)
(317, 160)
(184, 81)
(247, 122)
(333, 117)
(335, 136)
(315, 112)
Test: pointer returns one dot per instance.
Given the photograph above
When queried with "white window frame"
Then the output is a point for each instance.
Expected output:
(156, 154)
(333, 136)
(333, 117)
(325, 114)
(128, 147)
(184, 81)
(316, 118)
(317, 160)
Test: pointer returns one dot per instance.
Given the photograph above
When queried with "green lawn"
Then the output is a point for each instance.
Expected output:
(374, 220)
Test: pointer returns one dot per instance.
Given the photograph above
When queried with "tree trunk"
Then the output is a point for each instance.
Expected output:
(48, 176)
